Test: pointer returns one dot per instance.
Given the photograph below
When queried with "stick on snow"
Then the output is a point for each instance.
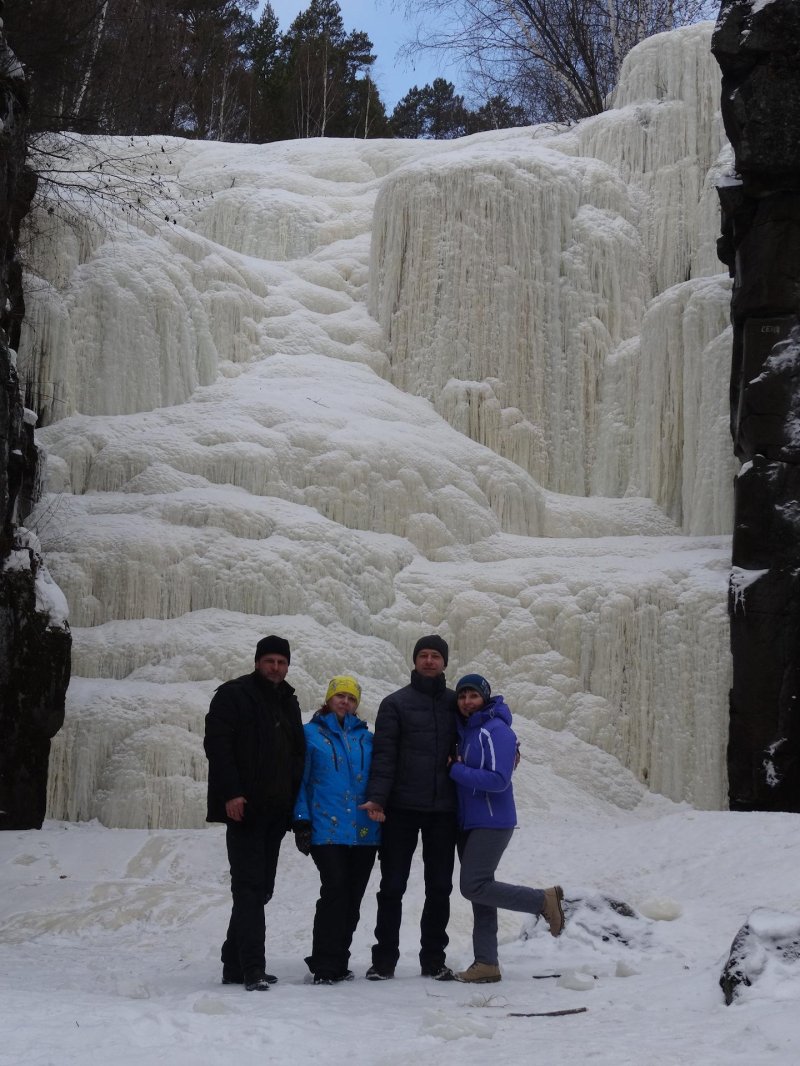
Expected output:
(549, 1013)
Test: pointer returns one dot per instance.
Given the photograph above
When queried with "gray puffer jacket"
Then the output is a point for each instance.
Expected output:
(415, 734)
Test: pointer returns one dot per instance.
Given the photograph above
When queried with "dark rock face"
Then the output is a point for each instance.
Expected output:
(757, 50)
(766, 949)
(34, 637)
(760, 89)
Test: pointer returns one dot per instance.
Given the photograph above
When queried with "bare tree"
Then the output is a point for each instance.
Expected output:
(559, 58)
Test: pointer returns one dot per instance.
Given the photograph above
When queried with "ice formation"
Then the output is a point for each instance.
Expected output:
(351, 391)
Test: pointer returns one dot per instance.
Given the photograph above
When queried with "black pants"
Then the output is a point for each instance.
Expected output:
(344, 873)
(399, 841)
(253, 848)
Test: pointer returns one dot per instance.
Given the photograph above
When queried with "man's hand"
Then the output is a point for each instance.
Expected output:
(235, 808)
(302, 836)
(374, 811)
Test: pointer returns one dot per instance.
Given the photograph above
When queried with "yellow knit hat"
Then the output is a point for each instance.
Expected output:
(344, 683)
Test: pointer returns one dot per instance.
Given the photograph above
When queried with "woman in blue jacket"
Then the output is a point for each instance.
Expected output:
(485, 760)
(341, 839)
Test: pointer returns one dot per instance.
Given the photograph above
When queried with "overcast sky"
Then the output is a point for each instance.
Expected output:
(384, 23)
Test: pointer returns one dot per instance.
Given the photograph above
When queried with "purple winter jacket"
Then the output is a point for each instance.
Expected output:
(487, 746)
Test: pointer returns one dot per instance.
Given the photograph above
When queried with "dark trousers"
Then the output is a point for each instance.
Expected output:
(399, 841)
(344, 873)
(253, 848)
(480, 851)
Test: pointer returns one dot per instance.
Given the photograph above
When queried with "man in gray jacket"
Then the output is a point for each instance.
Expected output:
(411, 792)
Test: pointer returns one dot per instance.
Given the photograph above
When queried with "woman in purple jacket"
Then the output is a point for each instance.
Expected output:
(482, 769)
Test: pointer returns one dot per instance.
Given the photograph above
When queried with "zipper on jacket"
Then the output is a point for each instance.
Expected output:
(329, 736)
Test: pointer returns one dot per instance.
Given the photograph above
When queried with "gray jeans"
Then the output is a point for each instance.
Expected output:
(480, 851)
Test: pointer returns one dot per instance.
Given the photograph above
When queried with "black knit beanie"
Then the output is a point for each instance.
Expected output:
(434, 642)
(273, 645)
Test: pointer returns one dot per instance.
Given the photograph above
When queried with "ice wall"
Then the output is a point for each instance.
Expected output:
(355, 391)
(663, 413)
(508, 283)
(518, 270)
(139, 292)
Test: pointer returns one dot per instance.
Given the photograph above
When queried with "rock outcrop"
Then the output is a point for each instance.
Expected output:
(34, 635)
(756, 45)
(765, 952)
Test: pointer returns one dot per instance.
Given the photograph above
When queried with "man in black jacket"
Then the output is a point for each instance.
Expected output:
(411, 791)
(255, 747)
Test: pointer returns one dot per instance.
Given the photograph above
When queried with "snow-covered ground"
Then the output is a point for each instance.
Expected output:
(110, 943)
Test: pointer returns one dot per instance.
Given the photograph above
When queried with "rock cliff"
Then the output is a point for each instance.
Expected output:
(34, 635)
(756, 45)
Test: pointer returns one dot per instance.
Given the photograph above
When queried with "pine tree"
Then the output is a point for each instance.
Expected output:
(435, 111)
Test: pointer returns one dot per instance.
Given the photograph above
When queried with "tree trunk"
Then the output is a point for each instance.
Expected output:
(87, 74)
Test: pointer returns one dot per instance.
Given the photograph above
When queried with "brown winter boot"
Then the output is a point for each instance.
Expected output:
(479, 973)
(552, 909)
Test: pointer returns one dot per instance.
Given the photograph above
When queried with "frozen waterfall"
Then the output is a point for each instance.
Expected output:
(353, 391)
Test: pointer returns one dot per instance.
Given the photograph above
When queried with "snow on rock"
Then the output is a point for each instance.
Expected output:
(50, 601)
(610, 925)
(740, 582)
(352, 391)
(764, 961)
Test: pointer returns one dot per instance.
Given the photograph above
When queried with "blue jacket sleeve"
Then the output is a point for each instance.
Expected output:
(499, 751)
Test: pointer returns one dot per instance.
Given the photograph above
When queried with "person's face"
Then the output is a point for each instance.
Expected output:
(469, 701)
(273, 668)
(429, 663)
(342, 703)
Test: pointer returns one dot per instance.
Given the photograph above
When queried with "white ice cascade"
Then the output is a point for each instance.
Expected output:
(510, 285)
(238, 446)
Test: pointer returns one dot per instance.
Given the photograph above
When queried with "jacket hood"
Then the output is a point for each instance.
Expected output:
(495, 708)
(329, 720)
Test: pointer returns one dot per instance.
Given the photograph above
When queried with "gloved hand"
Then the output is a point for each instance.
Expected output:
(302, 836)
